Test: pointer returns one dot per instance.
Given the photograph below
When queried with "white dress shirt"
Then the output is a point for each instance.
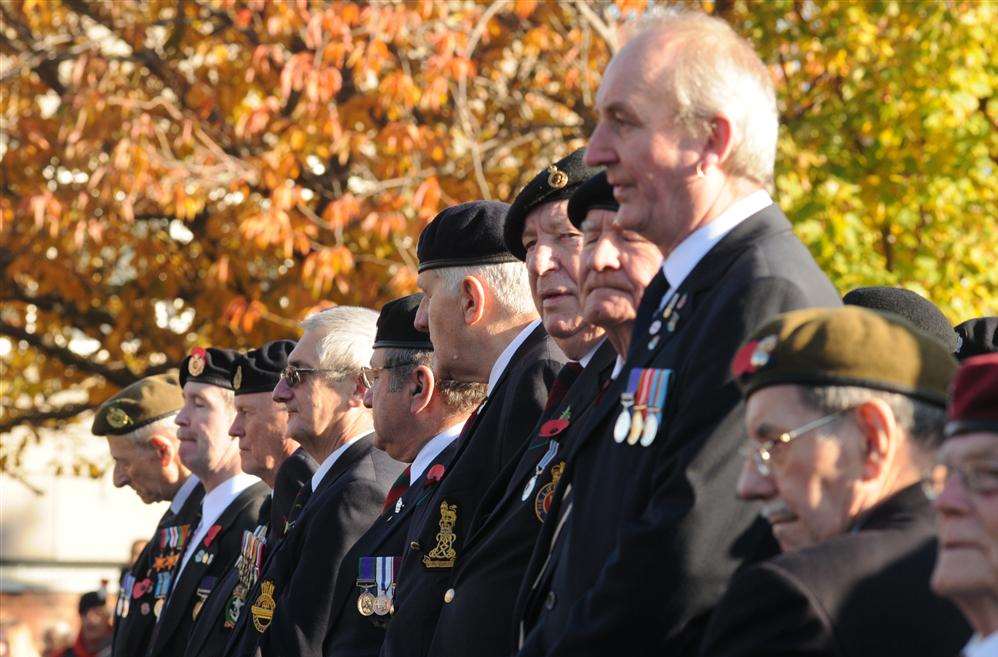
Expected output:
(327, 464)
(507, 355)
(431, 449)
(213, 505)
(982, 646)
(585, 360)
(177, 503)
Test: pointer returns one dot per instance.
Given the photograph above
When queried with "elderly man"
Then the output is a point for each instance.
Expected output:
(417, 420)
(844, 410)
(476, 618)
(231, 502)
(485, 329)
(967, 488)
(687, 133)
(138, 425)
(266, 450)
(616, 266)
(290, 607)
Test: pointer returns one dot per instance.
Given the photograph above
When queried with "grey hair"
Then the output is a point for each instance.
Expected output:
(922, 421)
(346, 337)
(144, 434)
(458, 396)
(508, 282)
(716, 71)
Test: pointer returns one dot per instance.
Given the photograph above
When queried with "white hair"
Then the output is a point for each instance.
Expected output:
(508, 282)
(715, 71)
(346, 337)
(164, 425)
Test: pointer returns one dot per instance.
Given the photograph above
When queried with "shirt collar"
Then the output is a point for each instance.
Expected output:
(327, 465)
(216, 501)
(432, 449)
(585, 360)
(183, 493)
(507, 355)
(982, 646)
(618, 365)
(678, 265)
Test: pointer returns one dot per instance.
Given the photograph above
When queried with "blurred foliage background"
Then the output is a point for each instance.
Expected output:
(186, 172)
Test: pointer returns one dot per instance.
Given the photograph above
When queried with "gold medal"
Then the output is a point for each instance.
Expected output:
(637, 424)
(365, 604)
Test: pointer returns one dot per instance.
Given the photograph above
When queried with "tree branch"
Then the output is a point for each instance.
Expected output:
(120, 376)
(35, 417)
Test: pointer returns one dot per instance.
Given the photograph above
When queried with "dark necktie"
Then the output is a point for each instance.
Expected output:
(397, 490)
(566, 377)
(301, 499)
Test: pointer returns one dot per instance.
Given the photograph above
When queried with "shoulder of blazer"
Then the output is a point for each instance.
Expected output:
(538, 346)
(350, 461)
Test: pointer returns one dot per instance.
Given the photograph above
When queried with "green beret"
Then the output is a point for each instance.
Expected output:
(143, 402)
(848, 346)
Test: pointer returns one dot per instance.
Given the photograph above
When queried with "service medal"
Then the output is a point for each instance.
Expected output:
(658, 389)
(528, 488)
(655, 327)
(637, 424)
(381, 605)
(365, 604)
(650, 430)
(623, 424)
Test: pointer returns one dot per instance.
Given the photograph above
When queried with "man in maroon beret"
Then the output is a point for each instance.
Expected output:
(967, 485)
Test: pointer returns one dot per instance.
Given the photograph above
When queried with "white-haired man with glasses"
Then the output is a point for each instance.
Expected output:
(843, 411)
(323, 390)
(966, 487)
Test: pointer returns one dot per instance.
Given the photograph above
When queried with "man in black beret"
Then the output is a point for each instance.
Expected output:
(266, 450)
(976, 337)
(480, 315)
(417, 419)
(844, 409)
(231, 502)
(915, 308)
(289, 611)
(94, 639)
(138, 425)
(477, 618)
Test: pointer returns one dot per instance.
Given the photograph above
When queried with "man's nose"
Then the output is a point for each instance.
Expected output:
(421, 321)
(282, 392)
(599, 151)
(118, 476)
(752, 485)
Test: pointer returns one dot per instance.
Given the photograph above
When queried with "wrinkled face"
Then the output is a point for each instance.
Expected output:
(967, 565)
(648, 160)
(391, 409)
(204, 420)
(440, 314)
(810, 490)
(553, 246)
(616, 267)
(261, 426)
(96, 624)
(138, 465)
(316, 406)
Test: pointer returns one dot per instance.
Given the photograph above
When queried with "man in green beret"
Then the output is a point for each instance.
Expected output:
(844, 409)
(138, 425)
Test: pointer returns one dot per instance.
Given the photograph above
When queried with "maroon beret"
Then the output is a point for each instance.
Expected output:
(974, 399)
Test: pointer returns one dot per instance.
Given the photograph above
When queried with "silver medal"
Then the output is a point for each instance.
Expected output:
(653, 343)
(650, 430)
(655, 327)
(623, 425)
(528, 488)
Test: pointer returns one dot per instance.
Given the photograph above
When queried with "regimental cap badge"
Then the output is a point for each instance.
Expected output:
(196, 363)
(556, 177)
(118, 418)
(753, 356)
(237, 378)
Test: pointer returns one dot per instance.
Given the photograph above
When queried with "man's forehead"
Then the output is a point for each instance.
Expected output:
(597, 219)
(304, 351)
(378, 358)
(983, 444)
(549, 217)
(635, 71)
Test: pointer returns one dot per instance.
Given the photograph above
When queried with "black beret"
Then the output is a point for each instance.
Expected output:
(463, 236)
(90, 600)
(137, 405)
(212, 366)
(259, 370)
(595, 193)
(396, 326)
(976, 337)
(555, 183)
(912, 306)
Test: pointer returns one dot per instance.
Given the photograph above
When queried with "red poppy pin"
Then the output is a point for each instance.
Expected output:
(436, 473)
(210, 536)
(553, 427)
(141, 587)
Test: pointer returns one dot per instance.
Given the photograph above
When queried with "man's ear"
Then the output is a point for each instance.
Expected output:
(719, 144)
(422, 385)
(472, 300)
(165, 449)
(357, 394)
(878, 426)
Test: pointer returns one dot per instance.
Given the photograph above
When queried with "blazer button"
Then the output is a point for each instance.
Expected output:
(414, 546)
(449, 595)
(550, 600)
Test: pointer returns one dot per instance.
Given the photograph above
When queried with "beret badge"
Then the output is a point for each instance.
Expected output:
(760, 357)
(118, 418)
(195, 366)
(237, 378)
(557, 178)
(753, 356)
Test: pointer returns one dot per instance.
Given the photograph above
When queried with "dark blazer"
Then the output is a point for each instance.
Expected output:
(860, 594)
(211, 632)
(192, 588)
(304, 568)
(133, 617)
(652, 534)
(478, 620)
(354, 635)
(489, 443)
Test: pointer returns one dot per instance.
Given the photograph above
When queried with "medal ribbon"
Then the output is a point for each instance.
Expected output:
(661, 388)
(365, 572)
(385, 574)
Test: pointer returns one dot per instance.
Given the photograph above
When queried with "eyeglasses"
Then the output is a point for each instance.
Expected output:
(763, 454)
(293, 375)
(980, 478)
(370, 374)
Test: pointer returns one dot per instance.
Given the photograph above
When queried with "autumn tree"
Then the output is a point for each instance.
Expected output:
(178, 173)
